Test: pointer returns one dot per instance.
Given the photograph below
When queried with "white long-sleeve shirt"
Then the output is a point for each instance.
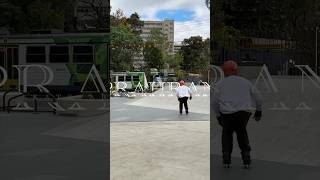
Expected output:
(183, 91)
(234, 94)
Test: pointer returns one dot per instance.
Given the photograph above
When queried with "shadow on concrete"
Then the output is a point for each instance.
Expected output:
(261, 170)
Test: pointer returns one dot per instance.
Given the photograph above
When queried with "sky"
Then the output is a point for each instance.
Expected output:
(192, 17)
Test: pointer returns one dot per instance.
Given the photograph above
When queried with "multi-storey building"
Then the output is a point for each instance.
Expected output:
(166, 27)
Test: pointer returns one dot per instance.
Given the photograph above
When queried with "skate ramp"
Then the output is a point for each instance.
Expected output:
(290, 128)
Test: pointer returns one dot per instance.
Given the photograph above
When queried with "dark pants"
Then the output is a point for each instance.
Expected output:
(183, 101)
(236, 122)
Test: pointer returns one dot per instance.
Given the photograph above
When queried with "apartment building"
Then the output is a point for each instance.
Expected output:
(166, 27)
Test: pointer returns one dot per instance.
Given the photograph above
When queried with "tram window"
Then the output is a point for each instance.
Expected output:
(128, 78)
(135, 78)
(98, 67)
(83, 54)
(59, 54)
(36, 54)
(121, 78)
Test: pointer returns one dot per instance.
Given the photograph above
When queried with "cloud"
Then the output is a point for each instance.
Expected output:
(199, 24)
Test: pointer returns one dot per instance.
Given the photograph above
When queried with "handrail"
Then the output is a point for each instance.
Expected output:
(36, 99)
(4, 97)
(12, 98)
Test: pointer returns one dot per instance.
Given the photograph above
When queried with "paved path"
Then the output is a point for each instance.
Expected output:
(151, 140)
(160, 150)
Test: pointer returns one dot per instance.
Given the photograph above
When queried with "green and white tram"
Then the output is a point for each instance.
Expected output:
(69, 55)
(130, 80)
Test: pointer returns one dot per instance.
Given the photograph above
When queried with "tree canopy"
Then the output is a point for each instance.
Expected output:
(195, 52)
(154, 50)
(126, 42)
(24, 15)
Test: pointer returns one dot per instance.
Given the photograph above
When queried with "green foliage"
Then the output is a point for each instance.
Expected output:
(265, 18)
(125, 46)
(174, 61)
(154, 50)
(125, 40)
(135, 23)
(25, 15)
(291, 20)
(153, 56)
(42, 15)
(195, 52)
(97, 11)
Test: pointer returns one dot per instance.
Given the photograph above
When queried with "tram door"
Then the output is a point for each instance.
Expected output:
(9, 58)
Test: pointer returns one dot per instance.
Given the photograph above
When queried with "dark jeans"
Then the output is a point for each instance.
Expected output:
(183, 101)
(236, 122)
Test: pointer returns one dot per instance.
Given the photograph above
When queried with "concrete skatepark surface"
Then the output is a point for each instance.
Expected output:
(48, 147)
(143, 139)
(285, 142)
(151, 140)
(160, 150)
(167, 100)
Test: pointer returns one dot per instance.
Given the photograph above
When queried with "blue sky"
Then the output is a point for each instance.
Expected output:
(192, 17)
(179, 15)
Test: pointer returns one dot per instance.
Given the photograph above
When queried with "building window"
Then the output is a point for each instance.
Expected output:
(59, 54)
(83, 54)
(36, 54)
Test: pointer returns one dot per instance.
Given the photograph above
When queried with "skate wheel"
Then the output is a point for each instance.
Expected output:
(246, 166)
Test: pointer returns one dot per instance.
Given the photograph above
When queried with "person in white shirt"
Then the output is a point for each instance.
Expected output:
(183, 94)
(232, 104)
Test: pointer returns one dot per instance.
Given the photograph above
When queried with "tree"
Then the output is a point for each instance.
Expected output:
(174, 61)
(99, 11)
(153, 56)
(118, 19)
(154, 49)
(290, 20)
(44, 15)
(195, 53)
(125, 46)
(135, 23)
(24, 15)
(267, 18)
(223, 35)
(126, 43)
